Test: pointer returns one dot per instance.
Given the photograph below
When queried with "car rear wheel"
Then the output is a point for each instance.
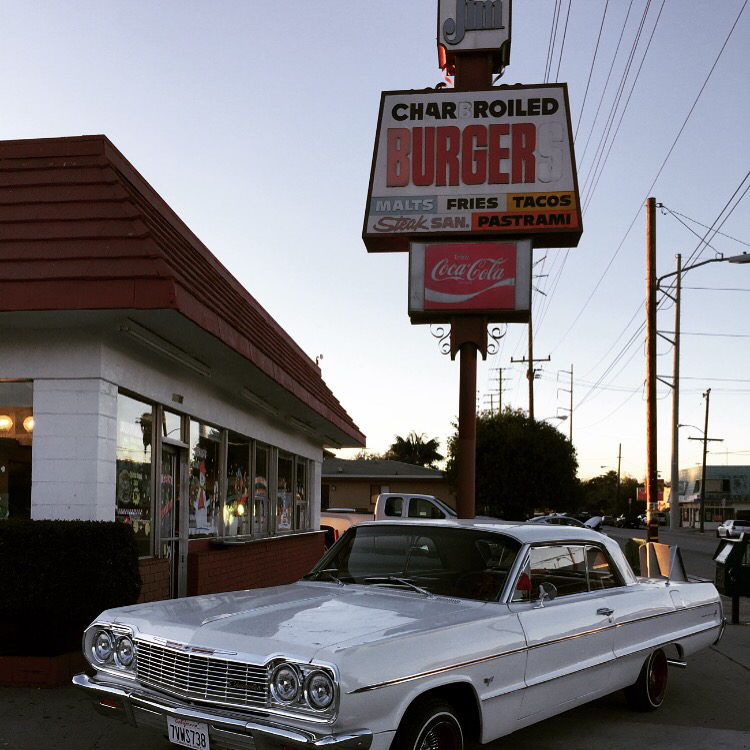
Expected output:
(429, 725)
(648, 691)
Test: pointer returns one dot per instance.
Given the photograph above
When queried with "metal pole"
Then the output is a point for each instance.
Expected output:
(571, 404)
(617, 490)
(652, 489)
(674, 501)
(467, 431)
(530, 371)
(707, 394)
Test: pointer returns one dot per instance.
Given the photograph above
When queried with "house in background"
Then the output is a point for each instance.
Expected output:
(356, 483)
(727, 494)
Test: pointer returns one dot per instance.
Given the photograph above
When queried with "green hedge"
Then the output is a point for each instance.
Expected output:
(57, 576)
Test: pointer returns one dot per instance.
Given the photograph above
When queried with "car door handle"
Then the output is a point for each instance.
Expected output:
(605, 611)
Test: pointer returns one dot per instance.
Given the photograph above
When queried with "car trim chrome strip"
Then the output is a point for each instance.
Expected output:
(483, 659)
(438, 670)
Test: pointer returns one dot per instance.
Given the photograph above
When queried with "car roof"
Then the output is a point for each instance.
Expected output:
(526, 533)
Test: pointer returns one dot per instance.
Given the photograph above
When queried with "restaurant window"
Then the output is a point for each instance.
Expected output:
(171, 425)
(284, 497)
(261, 508)
(300, 496)
(237, 507)
(205, 444)
(16, 431)
(134, 443)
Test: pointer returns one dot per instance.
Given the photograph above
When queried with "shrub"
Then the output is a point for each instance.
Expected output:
(57, 576)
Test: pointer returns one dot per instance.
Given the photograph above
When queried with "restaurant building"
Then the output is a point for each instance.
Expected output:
(140, 382)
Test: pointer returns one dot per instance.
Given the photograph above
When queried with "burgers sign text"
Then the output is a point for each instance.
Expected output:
(495, 162)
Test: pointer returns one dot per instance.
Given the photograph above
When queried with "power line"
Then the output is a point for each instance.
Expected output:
(658, 174)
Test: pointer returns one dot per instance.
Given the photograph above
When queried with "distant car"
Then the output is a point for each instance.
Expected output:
(733, 528)
(626, 521)
(608, 520)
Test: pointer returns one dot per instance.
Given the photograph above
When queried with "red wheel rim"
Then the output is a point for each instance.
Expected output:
(657, 678)
(442, 735)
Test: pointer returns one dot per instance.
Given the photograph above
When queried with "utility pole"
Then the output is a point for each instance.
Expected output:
(674, 495)
(652, 488)
(706, 440)
(500, 388)
(570, 409)
(617, 490)
(530, 372)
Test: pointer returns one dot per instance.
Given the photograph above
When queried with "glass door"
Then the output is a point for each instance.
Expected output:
(172, 544)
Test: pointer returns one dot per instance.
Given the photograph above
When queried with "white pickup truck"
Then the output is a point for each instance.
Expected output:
(388, 506)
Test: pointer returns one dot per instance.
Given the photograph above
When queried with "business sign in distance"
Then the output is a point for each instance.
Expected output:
(456, 164)
(488, 279)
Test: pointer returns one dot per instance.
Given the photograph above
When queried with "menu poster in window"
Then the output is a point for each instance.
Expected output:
(204, 488)
(134, 496)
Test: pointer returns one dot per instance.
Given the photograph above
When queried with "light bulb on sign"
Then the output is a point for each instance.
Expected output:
(5, 423)
(28, 423)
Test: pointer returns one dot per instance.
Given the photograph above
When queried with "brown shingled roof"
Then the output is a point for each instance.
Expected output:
(81, 229)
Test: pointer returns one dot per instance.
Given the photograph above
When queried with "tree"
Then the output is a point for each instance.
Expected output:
(521, 466)
(415, 449)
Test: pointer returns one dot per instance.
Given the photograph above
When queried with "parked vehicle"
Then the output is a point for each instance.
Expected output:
(406, 635)
(608, 520)
(388, 506)
(628, 521)
(733, 528)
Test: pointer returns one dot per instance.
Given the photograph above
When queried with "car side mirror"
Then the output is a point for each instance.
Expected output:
(547, 591)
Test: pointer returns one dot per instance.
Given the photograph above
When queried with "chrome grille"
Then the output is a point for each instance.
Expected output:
(201, 677)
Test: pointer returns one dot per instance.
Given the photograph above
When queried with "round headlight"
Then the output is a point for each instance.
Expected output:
(319, 690)
(285, 683)
(125, 651)
(103, 647)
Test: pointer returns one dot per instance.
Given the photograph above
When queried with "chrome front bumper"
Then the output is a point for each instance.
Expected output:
(142, 707)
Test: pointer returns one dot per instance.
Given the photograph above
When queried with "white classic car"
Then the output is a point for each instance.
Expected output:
(406, 635)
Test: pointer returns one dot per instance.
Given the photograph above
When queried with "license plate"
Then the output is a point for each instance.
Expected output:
(187, 733)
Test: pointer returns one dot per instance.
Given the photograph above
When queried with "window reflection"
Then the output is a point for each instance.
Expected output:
(134, 439)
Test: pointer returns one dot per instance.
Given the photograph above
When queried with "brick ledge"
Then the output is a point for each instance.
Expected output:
(40, 671)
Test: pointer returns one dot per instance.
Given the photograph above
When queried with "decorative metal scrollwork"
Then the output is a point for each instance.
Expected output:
(443, 334)
(494, 334)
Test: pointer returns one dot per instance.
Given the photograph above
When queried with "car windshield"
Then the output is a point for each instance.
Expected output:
(428, 560)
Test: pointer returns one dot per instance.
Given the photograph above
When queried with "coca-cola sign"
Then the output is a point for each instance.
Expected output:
(485, 278)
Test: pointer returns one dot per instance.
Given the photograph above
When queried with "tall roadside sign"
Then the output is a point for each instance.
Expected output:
(468, 180)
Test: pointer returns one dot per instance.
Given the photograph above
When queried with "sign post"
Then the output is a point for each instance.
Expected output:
(466, 179)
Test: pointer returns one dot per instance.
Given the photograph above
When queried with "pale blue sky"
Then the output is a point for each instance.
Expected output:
(256, 121)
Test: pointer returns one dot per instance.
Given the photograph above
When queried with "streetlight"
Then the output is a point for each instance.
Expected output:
(674, 510)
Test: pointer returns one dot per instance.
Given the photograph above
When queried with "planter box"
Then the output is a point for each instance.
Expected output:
(40, 671)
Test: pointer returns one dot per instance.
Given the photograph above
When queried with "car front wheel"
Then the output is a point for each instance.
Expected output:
(429, 725)
(648, 691)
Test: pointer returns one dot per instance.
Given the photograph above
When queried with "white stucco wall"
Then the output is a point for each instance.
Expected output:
(73, 455)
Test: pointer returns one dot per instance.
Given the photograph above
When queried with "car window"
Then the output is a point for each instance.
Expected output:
(601, 575)
(447, 561)
(421, 508)
(393, 506)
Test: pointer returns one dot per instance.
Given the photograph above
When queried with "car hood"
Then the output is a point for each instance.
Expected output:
(297, 620)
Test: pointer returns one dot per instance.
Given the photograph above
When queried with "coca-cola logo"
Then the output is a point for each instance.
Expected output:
(482, 269)
(468, 276)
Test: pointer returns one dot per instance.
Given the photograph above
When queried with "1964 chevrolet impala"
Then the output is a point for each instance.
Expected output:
(406, 635)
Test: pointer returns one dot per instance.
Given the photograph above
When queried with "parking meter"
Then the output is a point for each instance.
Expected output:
(733, 571)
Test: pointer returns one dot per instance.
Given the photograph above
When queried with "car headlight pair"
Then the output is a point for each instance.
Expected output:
(301, 685)
(110, 647)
